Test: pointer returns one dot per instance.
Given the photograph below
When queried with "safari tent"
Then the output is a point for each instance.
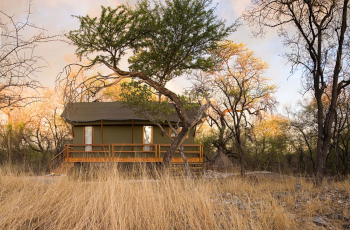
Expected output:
(111, 132)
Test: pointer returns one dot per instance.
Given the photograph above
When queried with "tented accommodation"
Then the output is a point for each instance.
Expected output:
(111, 132)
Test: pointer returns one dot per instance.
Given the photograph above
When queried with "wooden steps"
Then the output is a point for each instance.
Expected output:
(64, 168)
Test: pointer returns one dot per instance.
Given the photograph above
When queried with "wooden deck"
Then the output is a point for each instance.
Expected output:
(123, 153)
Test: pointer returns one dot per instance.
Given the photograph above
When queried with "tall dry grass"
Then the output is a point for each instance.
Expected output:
(110, 199)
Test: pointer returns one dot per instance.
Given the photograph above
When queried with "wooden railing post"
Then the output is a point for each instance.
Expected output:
(59, 159)
(202, 152)
(159, 151)
(113, 151)
(156, 152)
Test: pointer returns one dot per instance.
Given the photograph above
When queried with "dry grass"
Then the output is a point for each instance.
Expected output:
(113, 201)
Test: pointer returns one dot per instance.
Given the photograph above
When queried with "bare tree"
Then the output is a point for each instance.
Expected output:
(37, 128)
(319, 46)
(18, 61)
(341, 135)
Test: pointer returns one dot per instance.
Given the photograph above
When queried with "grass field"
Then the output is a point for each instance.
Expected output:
(110, 199)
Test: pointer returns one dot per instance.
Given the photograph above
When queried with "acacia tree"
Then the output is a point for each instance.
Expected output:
(319, 46)
(241, 91)
(168, 40)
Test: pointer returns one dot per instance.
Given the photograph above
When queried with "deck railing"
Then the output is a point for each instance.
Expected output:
(134, 152)
(123, 153)
(88, 152)
(57, 161)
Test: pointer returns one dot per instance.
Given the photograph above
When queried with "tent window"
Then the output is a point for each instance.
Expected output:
(88, 137)
(147, 137)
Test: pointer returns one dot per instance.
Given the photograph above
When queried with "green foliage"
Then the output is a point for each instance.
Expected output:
(115, 31)
(147, 104)
(143, 99)
(167, 40)
(184, 33)
(207, 139)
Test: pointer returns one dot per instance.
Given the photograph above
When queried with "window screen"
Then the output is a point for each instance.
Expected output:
(88, 138)
(147, 137)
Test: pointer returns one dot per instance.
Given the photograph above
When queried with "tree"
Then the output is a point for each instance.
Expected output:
(36, 132)
(167, 40)
(303, 123)
(270, 138)
(18, 61)
(12, 135)
(341, 135)
(113, 92)
(241, 92)
(46, 131)
(319, 47)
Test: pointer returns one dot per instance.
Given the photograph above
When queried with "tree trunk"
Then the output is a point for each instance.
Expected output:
(241, 153)
(321, 164)
(9, 148)
(324, 136)
(241, 161)
(174, 146)
(187, 167)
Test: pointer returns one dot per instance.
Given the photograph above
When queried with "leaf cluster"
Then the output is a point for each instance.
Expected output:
(143, 99)
(113, 33)
(185, 31)
(167, 39)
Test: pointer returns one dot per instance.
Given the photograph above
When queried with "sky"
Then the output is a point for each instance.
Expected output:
(56, 17)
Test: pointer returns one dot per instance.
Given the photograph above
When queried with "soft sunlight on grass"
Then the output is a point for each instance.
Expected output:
(110, 199)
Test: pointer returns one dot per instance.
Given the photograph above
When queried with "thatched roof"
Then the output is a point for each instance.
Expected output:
(108, 111)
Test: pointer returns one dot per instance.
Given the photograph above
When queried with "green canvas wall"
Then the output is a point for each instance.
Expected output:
(123, 135)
